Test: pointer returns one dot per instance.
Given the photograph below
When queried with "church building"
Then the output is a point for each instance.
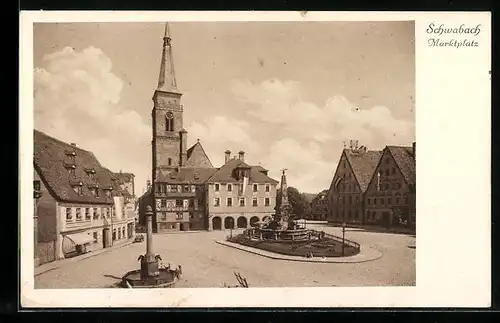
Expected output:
(184, 179)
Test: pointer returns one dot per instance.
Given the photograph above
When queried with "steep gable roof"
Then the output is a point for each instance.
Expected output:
(197, 157)
(363, 164)
(225, 173)
(403, 156)
(186, 176)
(51, 157)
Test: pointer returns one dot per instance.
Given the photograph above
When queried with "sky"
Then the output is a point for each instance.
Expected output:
(287, 93)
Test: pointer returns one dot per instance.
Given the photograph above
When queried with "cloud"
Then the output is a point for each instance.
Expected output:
(77, 99)
(219, 133)
(314, 134)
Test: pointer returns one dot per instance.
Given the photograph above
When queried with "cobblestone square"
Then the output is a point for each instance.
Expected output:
(206, 263)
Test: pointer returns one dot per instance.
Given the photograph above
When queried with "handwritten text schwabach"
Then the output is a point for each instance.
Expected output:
(464, 35)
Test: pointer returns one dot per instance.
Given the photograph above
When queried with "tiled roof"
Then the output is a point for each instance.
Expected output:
(225, 173)
(363, 164)
(186, 175)
(197, 158)
(50, 157)
(260, 168)
(405, 161)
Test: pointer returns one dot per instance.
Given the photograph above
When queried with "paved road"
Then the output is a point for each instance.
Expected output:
(208, 264)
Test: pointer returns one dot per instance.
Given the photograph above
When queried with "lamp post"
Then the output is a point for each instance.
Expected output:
(343, 238)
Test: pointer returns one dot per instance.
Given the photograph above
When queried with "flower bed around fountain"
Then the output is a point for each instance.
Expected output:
(326, 246)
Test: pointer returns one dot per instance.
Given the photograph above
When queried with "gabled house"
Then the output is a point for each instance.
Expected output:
(239, 195)
(77, 206)
(390, 196)
(347, 189)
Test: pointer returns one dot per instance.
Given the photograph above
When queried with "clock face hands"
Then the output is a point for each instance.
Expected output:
(170, 115)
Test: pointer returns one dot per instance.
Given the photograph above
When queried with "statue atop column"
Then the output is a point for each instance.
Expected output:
(285, 211)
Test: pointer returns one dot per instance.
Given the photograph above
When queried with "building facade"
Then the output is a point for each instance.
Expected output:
(346, 193)
(239, 195)
(319, 206)
(77, 211)
(390, 196)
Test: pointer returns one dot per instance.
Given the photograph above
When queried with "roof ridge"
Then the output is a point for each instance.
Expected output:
(63, 142)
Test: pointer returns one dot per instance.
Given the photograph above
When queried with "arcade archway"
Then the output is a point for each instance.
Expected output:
(253, 221)
(242, 222)
(217, 223)
(266, 218)
(229, 223)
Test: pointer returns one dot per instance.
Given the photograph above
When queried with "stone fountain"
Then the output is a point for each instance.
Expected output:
(152, 274)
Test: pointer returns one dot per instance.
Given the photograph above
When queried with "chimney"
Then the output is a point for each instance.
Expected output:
(241, 155)
(73, 144)
(414, 146)
(227, 156)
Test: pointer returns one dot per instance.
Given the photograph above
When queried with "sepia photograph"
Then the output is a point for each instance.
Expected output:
(216, 155)
(283, 146)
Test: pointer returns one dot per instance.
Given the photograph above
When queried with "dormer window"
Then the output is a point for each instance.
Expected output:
(90, 172)
(71, 154)
(77, 187)
(107, 191)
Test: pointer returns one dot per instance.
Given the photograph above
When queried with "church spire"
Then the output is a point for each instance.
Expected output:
(166, 80)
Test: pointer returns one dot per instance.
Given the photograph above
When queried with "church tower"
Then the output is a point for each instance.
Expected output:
(169, 137)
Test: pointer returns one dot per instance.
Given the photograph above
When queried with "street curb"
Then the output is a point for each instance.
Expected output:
(366, 254)
(61, 263)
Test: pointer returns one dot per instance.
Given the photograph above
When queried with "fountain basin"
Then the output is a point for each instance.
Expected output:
(165, 279)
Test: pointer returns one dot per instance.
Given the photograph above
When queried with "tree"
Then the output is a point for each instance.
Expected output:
(300, 205)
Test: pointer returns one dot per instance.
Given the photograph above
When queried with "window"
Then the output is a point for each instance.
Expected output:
(163, 203)
(229, 201)
(229, 187)
(191, 202)
(94, 234)
(267, 201)
(104, 213)
(87, 213)
(78, 190)
(389, 201)
(387, 172)
(216, 187)
(350, 199)
(173, 188)
(193, 189)
(369, 201)
(374, 201)
(169, 123)
(393, 170)
(374, 215)
(191, 215)
(216, 201)
(95, 214)
(254, 201)
(96, 192)
(255, 187)
(114, 234)
(123, 232)
(180, 216)
(382, 201)
(170, 162)
(267, 187)
(178, 203)
(119, 234)
(397, 200)
(242, 201)
(186, 189)
(69, 214)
